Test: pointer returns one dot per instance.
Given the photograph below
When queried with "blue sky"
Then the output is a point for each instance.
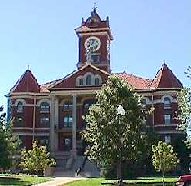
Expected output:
(41, 34)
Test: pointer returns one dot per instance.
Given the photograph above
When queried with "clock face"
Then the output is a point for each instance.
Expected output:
(92, 44)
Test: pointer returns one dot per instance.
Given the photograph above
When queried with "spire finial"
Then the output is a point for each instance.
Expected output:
(164, 65)
(28, 67)
(95, 6)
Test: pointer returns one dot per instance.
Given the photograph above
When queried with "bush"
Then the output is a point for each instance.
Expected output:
(36, 160)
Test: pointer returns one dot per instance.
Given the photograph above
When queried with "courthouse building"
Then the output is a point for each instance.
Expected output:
(52, 112)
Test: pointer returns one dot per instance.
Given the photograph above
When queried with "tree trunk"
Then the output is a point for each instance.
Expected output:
(163, 178)
(118, 169)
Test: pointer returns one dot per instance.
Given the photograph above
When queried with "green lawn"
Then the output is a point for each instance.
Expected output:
(154, 181)
(21, 179)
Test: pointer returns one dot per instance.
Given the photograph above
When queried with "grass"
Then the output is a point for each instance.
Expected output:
(154, 181)
(21, 179)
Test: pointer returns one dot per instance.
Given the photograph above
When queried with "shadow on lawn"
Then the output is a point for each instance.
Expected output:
(12, 181)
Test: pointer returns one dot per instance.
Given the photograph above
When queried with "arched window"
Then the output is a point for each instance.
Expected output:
(88, 79)
(20, 107)
(44, 107)
(167, 103)
(97, 81)
(81, 82)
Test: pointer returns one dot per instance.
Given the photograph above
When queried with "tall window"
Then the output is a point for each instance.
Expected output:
(68, 121)
(167, 139)
(88, 80)
(97, 81)
(44, 107)
(167, 119)
(44, 121)
(20, 107)
(67, 143)
(167, 103)
(81, 82)
(144, 102)
(68, 105)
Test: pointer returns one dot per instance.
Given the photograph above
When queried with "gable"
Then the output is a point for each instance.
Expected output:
(89, 75)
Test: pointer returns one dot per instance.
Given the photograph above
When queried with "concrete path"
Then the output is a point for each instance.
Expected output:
(60, 181)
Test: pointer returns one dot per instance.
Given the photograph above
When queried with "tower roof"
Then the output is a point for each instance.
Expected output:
(94, 23)
(26, 83)
(166, 79)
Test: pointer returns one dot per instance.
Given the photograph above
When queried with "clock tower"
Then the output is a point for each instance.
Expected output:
(94, 42)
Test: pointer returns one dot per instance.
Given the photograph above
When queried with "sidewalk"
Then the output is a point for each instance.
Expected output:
(60, 181)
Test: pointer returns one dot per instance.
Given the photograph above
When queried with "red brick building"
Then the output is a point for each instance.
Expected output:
(52, 112)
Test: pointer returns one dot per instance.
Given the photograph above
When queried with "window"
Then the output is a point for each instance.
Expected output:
(67, 143)
(20, 107)
(95, 58)
(45, 121)
(97, 81)
(19, 122)
(68, 121)
(22, 140)
(167, 103)
(68, 105)
(88, 80)
(81, 82)
(44, 107)
(167, 119)
(167, 139)
(143, 102)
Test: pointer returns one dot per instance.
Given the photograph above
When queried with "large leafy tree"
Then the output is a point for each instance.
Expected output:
(113, 137)
(36, 160)
(184, 109)
(164, 159)
(9, 143)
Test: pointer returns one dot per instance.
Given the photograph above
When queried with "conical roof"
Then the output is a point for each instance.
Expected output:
(166, 79)
(26, 83)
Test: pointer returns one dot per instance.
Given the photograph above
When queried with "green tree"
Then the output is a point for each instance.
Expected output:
(9, 143)
(113, 137)
(36, 160)
(184, 109)
(164, 159)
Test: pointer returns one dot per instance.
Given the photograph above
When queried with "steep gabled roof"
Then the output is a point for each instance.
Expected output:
(26, 83)
(166, 79)
(69, 81)
(135, 81)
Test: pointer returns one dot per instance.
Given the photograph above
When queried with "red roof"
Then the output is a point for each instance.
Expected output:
(163, 79)
(166, 79)
(135, 81)
(26, 83)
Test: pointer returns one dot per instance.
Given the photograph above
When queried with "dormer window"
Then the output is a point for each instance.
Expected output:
(20, 107)
(44, 107)
(81, 82)
(167, 103)
(88, 79)
(97, 81)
